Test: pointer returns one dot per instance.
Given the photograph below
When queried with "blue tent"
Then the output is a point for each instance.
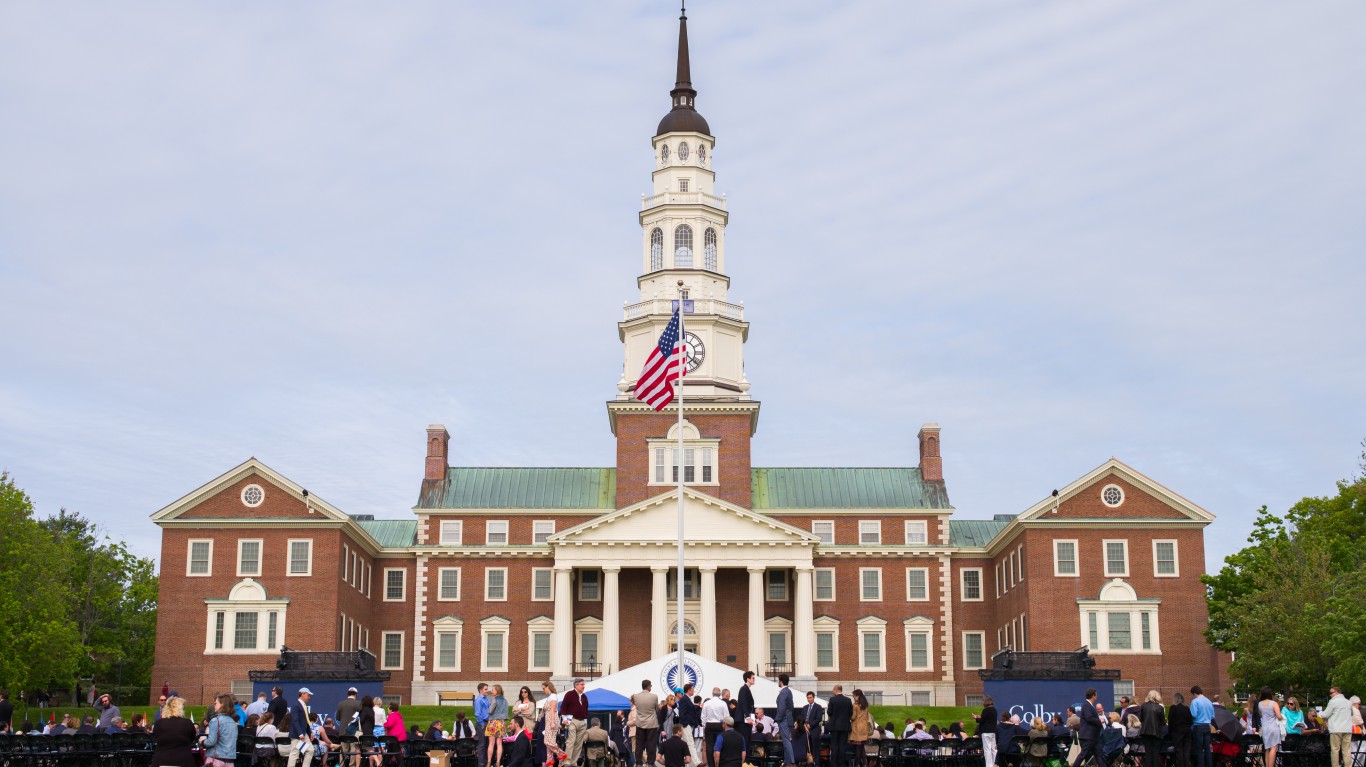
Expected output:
(606, 700)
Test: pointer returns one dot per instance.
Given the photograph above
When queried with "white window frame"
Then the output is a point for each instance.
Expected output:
(769, 583)
(488, 627)
(356, 563)
(872, 626)
(588, 626)
(778, 625)
(1009, 564)
(1125, 602)
(488, 585)
(1024, 640)
(384, 649)
(345, 568)
(867, 526)
(189, 558)
(1176, 559)
(1105, 554)
(490, 527)
(369, 571)
(983, 636)
(542, 534)
(862, 586)
(829, 522)
(827, 625)
(963, 588)
(539, 626)
(289, 558)
(448, 626)
(926, 572)
(705, 451)
(261, 550)
(441, 584)
(404, 596)
(597, 575)
(1019, 563)
(998, 579)
(924, 527)
(550, 575)
(1076, 558)
(815, 591)
(456, 527)
(919, 626)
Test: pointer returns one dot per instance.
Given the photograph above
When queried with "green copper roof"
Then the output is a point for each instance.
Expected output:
(390, 533)
(521, 488)
(976, 532)
(845, 489)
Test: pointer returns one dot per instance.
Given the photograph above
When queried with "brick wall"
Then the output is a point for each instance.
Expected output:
(633, 460)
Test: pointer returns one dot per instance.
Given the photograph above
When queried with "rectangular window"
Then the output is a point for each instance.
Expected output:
(367, 580)
(395, 585)
(825, 584)
(1124, 688)
(974, 655)
(1164, 559)
(1019, 563)
(452, 532)
(541, 530)
(244, 633)
(1064, 558)
(496, 584)
(272, 627)
(1117, 558)
(218, 619)
(540, 651)
(777, 585)
(445, 649)
(355, 569)
(692, 583)
(825, 530)
(660, 465)
(917, 584)
(825, 650)
(689, 465)
(346, 563)
(1093, 630)
(248, 558)
(448, 584)
(341, 630)
(921, 698)
(971, 584)
(588, 648)
(301, 557)
(870, 532)
(972, 701)
(1024, 642)
(391, 657)
(683, 185)
(1010, 569)
(917, 532)
(542, 584)
(496, 533)
(998, 579)
(1121, 637)
(590, 585)
(871, 580)
(200, 558)
(1000, 640)
(919, 648)
(777, 647)
(1145, 623)
(872, 651)
(706, 464)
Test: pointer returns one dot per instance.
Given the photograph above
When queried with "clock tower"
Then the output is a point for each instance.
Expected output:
(683, 240)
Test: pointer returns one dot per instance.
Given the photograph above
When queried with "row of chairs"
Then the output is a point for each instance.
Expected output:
(114, 750)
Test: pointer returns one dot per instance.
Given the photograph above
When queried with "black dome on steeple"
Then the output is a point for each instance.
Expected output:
(683, 116)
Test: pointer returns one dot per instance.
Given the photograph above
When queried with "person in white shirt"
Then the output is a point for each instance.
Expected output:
(764, 724)
(714, 711)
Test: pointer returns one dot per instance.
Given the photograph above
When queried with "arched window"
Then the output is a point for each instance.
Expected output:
(702, 154)
(656, 250)
(709, 249)
(683, 247)
(683, 152)
(664, 154)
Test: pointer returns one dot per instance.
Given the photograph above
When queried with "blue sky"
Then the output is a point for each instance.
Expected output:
(1063, 230)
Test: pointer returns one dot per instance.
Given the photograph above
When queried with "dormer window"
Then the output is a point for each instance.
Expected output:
(699, 461)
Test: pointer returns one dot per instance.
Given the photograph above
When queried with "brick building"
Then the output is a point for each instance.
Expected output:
(853, 575)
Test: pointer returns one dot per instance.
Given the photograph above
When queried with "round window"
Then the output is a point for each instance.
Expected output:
(1112, 495)
(253, 496)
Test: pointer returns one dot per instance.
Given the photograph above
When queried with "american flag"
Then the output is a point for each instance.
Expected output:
(655, 387)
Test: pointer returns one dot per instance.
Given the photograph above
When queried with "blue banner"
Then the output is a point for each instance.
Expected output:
(326, 695)
(1030, 698)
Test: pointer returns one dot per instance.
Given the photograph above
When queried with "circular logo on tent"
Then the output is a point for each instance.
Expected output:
(669, 676)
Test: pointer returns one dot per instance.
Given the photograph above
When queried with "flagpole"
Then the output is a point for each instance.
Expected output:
(678, 463)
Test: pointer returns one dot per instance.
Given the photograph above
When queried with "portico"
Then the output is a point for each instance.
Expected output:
(719, 537)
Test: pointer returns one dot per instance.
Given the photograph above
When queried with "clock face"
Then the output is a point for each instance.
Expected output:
(693, 351)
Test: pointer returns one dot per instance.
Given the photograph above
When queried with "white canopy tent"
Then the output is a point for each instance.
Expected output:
(706, 674)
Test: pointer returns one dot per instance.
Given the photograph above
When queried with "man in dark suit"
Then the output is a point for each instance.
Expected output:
(839, 712)
(1179, 727)
(812, 714)
(784, 715)
(690, 716)
(519, 752)
(744, 710)
(278, 706)
(1089, 732)
(299, 732)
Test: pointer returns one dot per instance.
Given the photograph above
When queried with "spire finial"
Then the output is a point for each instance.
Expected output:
(684, 10)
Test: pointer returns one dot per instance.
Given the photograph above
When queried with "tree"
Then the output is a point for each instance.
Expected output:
(1292, 604)
(40, 643)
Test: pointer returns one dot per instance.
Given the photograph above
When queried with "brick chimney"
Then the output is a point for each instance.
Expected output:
(931, 465)
(438, 444)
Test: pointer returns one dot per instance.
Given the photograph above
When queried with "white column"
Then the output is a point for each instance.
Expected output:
(562, 636)
(659, 611)
(611, 625)
(706, 645)
(757, 656)
(803, 629)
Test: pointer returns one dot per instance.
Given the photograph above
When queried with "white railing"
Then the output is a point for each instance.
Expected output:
(699, 306)
(683, 198)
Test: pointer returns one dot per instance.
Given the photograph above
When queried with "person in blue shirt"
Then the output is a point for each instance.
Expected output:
(481, 718)
(1202, 713)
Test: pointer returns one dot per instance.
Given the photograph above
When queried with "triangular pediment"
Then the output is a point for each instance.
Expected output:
(1075, 500)
(285, 498)
(706, 519)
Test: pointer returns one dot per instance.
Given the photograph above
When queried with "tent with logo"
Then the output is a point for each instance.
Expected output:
(706, 674)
